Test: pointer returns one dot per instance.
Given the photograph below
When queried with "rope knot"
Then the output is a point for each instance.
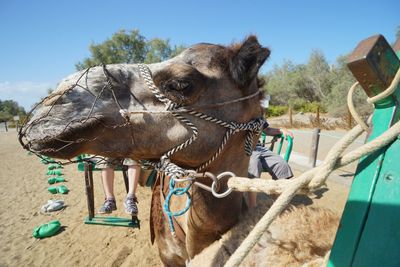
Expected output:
(124, 113)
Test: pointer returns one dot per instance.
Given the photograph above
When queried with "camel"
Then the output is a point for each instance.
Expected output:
(301, 236)
(110, 111)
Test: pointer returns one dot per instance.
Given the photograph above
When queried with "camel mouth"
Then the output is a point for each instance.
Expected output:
(61, 140)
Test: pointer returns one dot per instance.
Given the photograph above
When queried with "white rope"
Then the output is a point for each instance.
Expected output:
(352, 109)
(277, 187)
(312, 179)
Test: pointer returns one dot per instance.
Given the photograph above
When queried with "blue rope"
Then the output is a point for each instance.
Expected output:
(178, 192)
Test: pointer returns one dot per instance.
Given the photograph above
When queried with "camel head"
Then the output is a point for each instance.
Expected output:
(83, 115)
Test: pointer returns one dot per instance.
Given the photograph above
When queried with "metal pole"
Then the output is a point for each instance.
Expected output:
(314, 147)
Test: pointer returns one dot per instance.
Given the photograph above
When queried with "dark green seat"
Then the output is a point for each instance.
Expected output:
(88, 167)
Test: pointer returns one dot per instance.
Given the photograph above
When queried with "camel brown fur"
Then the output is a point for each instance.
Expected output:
(299, 236)
(83, 116)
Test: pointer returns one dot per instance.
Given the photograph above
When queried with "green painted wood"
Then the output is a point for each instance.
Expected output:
(379, 244)
(380, 241)
(113, 221)
(360, 196)
(372, 201)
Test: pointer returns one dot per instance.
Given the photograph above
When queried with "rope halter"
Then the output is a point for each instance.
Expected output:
(165, 165)
(178, 174)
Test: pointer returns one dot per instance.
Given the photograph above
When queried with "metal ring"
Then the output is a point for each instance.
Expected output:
(181, 180)
(212, 176)
(203, 186)
(190, 177)
(228, 191)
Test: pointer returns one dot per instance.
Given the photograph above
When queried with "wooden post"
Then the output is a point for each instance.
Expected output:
(318, 121)
(290, 117)
(314, 147)
(5, 123)
(89, 189)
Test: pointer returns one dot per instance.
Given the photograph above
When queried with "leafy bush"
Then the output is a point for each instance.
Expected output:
(313, 107)
(275, 111)
(302, 105)
(297, 103)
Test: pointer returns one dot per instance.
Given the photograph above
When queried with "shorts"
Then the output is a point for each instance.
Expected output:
(263, 159)
(105, 163)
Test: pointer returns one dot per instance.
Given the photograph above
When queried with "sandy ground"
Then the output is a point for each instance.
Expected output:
(23, 190)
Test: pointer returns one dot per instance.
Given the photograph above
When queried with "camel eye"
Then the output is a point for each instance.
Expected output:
(175, 85)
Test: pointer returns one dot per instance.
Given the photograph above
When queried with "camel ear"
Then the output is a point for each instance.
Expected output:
(247, 60)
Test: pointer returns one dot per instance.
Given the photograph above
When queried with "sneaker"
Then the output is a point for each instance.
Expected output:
(130, 205)
(108, 207)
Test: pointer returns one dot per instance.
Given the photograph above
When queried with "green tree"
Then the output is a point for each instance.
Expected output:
(159, 50)
(128, 47)
(318, 74)
(342, 80)
(9, 109)
(291, 85)
(280, 83)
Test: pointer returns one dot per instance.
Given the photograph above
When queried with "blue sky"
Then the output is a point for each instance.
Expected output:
(42, 40)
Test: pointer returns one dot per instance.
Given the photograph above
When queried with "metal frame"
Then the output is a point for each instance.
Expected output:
(133, 222)
(289, 147)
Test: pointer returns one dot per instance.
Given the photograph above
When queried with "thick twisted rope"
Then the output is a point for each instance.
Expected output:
(312, 179)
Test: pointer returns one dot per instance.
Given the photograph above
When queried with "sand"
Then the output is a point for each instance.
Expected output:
(23, 190)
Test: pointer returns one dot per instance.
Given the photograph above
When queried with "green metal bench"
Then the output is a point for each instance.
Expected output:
(88, 167)
(369, 231)
(289, 147)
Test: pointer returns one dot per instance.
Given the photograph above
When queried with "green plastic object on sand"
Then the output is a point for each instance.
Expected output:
(47, 160)
(47, 229)
(56, 179)
(54, 166)
(62, 189)
(52, 189)
(54, 172)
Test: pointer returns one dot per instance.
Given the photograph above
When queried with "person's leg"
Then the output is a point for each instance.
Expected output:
(254, 171)
(133, 178)
(275, 165)
(107, 180)
(252, 197)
